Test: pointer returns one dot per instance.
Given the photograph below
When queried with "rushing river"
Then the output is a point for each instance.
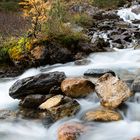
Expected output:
(122, 62)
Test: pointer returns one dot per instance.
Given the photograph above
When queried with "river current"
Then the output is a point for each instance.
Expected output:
(122, 62)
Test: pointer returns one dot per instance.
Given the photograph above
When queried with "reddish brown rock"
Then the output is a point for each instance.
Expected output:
(136, 138)
(38, 52)
(71, 131)
(77, 87)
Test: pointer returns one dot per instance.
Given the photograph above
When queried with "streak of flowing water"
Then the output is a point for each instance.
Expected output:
(121, 61)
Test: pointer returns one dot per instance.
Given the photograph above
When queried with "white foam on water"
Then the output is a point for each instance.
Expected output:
(127, 15)
(121, 130)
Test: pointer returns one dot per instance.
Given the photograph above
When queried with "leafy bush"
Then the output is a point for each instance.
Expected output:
(23, 46)
(5, 45)
(82, 19)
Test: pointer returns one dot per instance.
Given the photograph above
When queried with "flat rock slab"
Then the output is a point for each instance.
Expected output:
(39, 84)
(103, 115)
(52, 102)
(112, 91)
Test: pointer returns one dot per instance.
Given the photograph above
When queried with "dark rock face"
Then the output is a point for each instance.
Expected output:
(33, 101)
(10, 71)
(136, 10)
(98, 72)
(39, 84)
(50, 54)
(27, 113)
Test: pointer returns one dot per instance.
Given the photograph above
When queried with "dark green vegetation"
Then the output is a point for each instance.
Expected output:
(108, 4)
(9, 5)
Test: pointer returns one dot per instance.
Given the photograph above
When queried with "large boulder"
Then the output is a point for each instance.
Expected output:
(112, 91)
(77, 87)
(71, 131)
(60, 106)
(103, 115)
(39, 84)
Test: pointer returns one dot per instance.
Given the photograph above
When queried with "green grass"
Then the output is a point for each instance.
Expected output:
(108, 4)
(9, 5)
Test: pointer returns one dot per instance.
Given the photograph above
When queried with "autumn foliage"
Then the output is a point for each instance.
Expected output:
(36, 11)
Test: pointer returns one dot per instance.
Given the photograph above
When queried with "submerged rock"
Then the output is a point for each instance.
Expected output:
(77, 87)
(7, 115)
(71, 131)
(82, 62)
(27, 113)
(98, 72)
(39, 84)
(136, 138)
(112, 91)
(136, 85)
(104, 115)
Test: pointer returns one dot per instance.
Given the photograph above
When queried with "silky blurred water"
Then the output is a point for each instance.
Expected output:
(122, 62)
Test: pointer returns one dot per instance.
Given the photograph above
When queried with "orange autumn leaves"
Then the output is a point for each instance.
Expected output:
(37, 11)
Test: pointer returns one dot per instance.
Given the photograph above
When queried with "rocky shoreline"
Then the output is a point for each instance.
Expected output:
(52, 96)
(106, 33)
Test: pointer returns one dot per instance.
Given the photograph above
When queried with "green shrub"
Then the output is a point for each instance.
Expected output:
(23, 46)
(5, 45)
(82, 19)
(108, 4)
(60, 26)
(4, 56)
(9, 5)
